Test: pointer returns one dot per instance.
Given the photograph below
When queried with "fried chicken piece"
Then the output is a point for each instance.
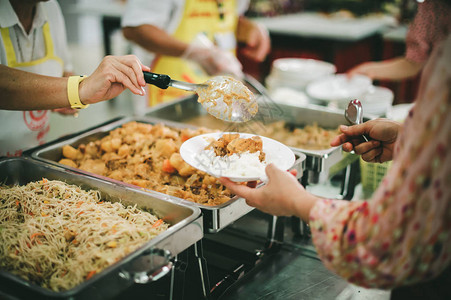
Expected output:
(91, 149)
(68, 162)
(252, 145)
(70, 152)
(231, 143)
(165, 147)
(181, 166)
(95, 166)
(220, 145)
(139, 182)
(229, 137)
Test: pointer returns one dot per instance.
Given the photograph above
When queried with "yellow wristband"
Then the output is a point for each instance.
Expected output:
(72, 92)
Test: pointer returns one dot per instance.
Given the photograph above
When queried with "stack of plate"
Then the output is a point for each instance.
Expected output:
(296, 73)
(377, 101)
(399, 112)
(339, 89)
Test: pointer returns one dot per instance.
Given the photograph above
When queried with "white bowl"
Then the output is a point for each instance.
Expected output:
(272, 83)
(377, 100)
(339, 88)
(299, 71)
(289, 96)
(400, 111)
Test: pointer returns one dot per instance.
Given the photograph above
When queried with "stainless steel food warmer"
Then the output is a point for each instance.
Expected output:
(215, 217)
(148, 263)
(187, 110)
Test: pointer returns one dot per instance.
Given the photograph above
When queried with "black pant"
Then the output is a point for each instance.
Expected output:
(436, 289)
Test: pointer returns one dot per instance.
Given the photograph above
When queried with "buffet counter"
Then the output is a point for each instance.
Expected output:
(228, 251)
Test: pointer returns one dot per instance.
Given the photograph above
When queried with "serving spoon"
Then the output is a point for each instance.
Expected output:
(354, 114)
(223, 97)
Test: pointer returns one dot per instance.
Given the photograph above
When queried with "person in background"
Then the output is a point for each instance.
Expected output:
(33, 39)
(402, 236)
(190, 40)
(429, 27)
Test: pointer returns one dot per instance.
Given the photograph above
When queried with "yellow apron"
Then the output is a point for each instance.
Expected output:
(26, 129)
(199, 16)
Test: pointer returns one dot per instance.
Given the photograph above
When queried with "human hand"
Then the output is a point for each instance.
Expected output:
(257, 42)
(281, 196)
(370, 69)
(382, 132)
(397, 68)
(112, 77)
(214, 60)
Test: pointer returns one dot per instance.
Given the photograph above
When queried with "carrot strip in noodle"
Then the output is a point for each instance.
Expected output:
(35, 235)
(90, 274)
(157, 223)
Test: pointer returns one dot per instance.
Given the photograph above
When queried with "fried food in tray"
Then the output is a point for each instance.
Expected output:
(309, 137)
(148, 156)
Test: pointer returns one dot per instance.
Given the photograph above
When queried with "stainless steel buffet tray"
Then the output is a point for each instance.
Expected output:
(186, 109)
(215, 218)
(152, 258)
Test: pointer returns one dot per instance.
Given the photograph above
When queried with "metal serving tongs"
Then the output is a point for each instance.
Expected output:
(354, 114)
(223, 97)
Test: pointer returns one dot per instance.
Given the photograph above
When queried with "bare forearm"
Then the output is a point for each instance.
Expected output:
(399, 68)
(393, 69)
(155, 40)
(27, 91)
(304, 205)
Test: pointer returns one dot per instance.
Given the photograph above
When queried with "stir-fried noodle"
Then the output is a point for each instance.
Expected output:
(57, 235)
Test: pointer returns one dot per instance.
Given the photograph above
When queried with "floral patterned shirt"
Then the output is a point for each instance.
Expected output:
(431, 25)
(403, 234)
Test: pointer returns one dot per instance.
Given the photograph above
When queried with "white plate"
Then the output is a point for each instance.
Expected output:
(377, 100)
(298, 72)
(293, 68)
(193, 152)
(339, 87)
(399, 112)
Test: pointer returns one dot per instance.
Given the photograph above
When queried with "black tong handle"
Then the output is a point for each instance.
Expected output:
(159, 80)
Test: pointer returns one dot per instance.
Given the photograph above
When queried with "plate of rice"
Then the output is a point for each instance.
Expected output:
(240, 157)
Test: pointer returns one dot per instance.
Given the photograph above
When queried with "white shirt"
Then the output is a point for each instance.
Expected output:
(32, 44)
(25, 129)
(164, 14)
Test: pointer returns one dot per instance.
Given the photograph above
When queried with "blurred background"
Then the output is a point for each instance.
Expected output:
(373, 30)
(343, 33)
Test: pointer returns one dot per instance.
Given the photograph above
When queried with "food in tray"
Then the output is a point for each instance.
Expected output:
(57, 235)
(148, 156)
(310, 137)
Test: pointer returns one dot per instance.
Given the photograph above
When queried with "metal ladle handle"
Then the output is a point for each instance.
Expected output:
(354, 114)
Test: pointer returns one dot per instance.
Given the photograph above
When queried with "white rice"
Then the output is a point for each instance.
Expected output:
(245, 164)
